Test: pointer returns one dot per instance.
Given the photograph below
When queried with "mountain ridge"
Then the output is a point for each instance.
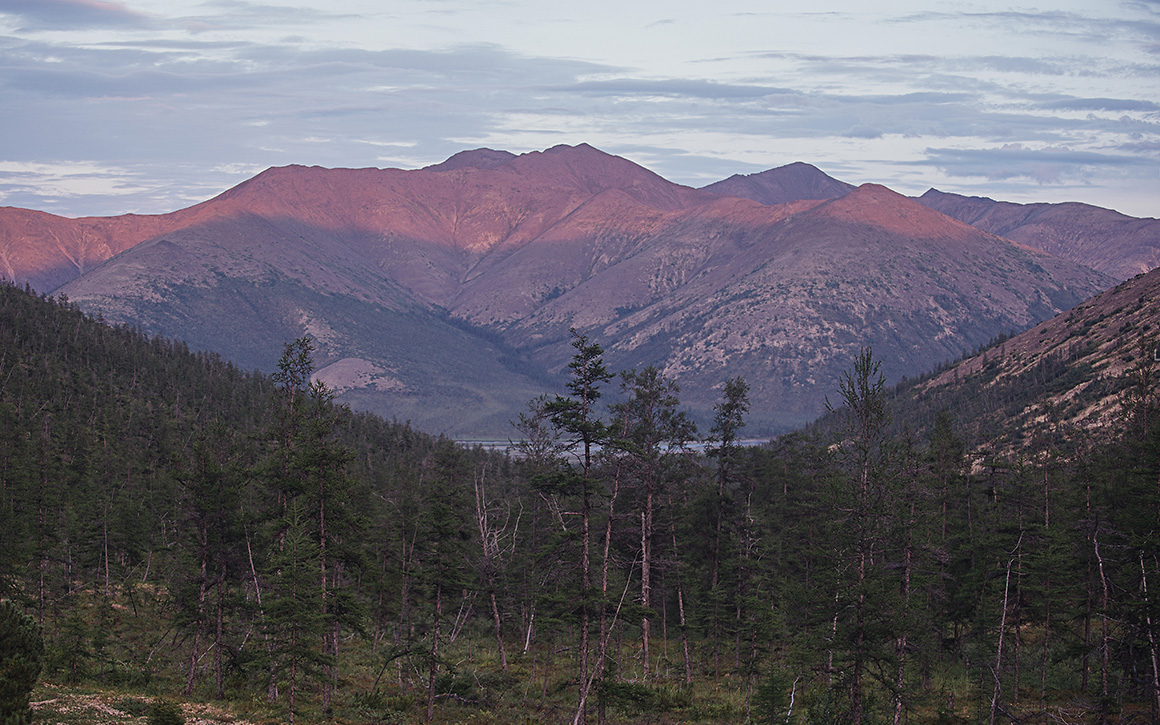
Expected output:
(1103, 239)
(484, 263)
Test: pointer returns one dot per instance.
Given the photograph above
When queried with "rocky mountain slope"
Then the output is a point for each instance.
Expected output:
(788, 299)
(1081, 372)
(45, 251)
(445, 295)
(1118, 245)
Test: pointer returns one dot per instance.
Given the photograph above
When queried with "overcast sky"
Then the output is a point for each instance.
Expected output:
(148, 106)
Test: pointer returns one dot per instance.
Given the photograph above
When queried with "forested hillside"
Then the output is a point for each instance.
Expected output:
(187, 530)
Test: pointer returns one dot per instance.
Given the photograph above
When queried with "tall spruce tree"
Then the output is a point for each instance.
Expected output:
(867, 504)
(211, 485)
(578, 420)
(728, 420)
(308, 470)
(294, 621)
(651, 434)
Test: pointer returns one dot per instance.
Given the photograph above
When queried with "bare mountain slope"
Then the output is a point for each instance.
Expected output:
(1118, 245)
(445, 295)
(1065, 382)
(789, 302)
(45, 251)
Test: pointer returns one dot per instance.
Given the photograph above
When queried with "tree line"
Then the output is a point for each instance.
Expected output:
(172, 521)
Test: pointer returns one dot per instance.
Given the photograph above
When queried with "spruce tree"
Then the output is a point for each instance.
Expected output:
(307, 469)
(578, 419)
(728, 420)
(21, 660)
(651, 433)
(865, 524)
(294, 621)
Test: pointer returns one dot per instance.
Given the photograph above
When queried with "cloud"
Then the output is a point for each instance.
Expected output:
(54, 183)
(71, 14)
(1047, 165)
(1101, 104)
(238, 14)
(1090, 26)
(232, 85)
(676, 88)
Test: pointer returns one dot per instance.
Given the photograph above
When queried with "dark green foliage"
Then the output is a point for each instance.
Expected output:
(577, 416)
(71, 652)
(164, 712)
(771, 701)
(826, 706)
(21, 660)
(130, 467)
(176, 523)
(634, 698)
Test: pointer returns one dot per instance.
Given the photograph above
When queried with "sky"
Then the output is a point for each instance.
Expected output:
(147, 106)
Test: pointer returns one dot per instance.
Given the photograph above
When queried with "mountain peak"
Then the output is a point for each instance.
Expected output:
(878, 206)
(594, 171)
(482, 158)
(792, 182)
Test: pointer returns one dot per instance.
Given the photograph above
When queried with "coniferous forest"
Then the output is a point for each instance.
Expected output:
(186, 532)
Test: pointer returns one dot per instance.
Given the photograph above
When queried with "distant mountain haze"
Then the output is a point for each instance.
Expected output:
(1107, 240)
(445, 295)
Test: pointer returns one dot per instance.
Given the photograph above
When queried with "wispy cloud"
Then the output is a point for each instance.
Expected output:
(59, 14)
(1045, 165)
(181, 102)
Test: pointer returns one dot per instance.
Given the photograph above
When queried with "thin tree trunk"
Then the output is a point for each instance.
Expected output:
(997, 692)
(272, 684)
(503, 663)
(857, 712)
(1106, 637)
(714, 579)
(488, 543)
(293, 685)
(1046, 644)
(328, 647)
(586, 687)
(605, 630)
(41, 547)
(219, 679)
(833, 640)
(681, 603)
(585, 586)
(1017, 629)
(900, 678)
(645, 585)
(744, 547)
(201, 588)
(105, 544)
(1087, 615)
(1151, 643)
(433, 666)
(293, 677)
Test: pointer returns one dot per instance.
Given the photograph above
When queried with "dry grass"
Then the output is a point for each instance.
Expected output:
(67, 705)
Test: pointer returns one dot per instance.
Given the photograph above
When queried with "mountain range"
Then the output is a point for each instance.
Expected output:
(446, 295)
(1103, 239)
